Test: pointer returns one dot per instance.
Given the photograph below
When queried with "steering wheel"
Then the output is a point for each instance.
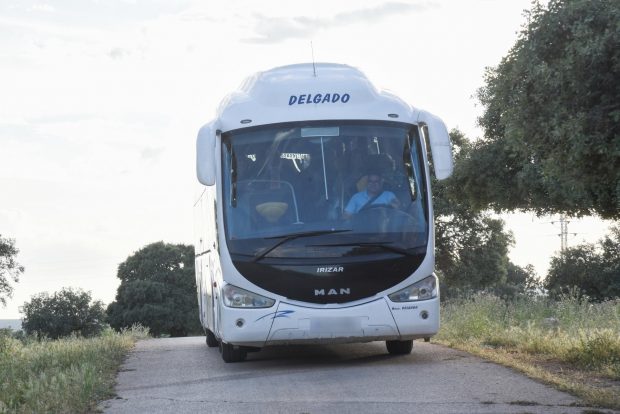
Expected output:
(376, 206)
(374, 218)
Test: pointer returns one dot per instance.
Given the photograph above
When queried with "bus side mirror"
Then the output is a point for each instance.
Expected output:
(439, 140)
(205, 154)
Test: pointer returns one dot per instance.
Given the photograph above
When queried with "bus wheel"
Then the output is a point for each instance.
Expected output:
(230, 354)
(212, 341)
(399, 347)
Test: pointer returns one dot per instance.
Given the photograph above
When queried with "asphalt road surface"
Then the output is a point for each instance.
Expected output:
(182, 375)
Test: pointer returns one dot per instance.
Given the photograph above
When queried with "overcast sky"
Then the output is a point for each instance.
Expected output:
(100, 103)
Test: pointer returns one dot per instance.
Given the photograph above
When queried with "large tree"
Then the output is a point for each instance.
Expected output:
(157, 290)
(552, 116)
(63, 313)
(472, 246)
(9, 268)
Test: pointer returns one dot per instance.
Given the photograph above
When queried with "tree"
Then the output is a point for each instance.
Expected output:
(472, 246)
(64, 313)
(520, 281)
(157, 290)
(9, 268)
(472, 250)
(594, 269)
(551, 116)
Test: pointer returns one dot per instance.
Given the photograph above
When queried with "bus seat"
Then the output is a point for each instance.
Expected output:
(271, 206)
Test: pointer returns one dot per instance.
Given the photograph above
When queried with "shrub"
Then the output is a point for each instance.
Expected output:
(64, 313)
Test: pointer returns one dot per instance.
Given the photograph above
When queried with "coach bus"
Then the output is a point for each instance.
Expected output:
(314, 221)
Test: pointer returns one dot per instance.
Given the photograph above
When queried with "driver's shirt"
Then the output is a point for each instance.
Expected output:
(360, 199)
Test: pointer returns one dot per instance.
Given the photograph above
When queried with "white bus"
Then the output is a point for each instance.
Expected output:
(314, 219)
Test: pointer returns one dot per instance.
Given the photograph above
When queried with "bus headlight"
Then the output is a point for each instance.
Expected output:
(422, 290)
(235, 297)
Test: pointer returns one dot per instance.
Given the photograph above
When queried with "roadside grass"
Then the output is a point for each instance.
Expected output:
(68, 375)
(570, 343)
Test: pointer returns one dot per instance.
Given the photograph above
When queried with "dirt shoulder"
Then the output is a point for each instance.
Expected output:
(593, 387)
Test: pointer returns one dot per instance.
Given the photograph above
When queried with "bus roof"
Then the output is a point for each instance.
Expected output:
(305, 92)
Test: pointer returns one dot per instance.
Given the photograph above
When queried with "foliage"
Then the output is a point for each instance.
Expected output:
(9, 332)
(63, 376)
(576, 335)
(520, 281)
(551, 116)
(9, 268)
(157, 290)
(472, 250)
(472, 246)
(593, 269)
(64, 313)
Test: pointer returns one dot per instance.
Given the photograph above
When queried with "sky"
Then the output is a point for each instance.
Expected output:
(101, 101)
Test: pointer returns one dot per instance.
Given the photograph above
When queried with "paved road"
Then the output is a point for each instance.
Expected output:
(182, 375)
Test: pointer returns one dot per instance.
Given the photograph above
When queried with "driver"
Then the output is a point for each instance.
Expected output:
(373, 195)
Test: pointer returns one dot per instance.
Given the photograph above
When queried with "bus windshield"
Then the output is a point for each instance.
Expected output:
(324, 189)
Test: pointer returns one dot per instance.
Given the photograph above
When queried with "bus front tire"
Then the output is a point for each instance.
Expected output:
(399, 347)
(212, 341)
(230, 354)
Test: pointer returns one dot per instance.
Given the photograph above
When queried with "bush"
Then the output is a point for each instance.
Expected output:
(593, 269)
(64, 313)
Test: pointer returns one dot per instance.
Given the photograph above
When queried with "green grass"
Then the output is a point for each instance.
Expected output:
(66, 375)
(578, 340)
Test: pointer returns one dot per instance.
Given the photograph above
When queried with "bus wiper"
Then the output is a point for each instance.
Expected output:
(385, 246)
(292, 236)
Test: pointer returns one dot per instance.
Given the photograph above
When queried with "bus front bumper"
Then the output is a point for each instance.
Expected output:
(378, 320)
